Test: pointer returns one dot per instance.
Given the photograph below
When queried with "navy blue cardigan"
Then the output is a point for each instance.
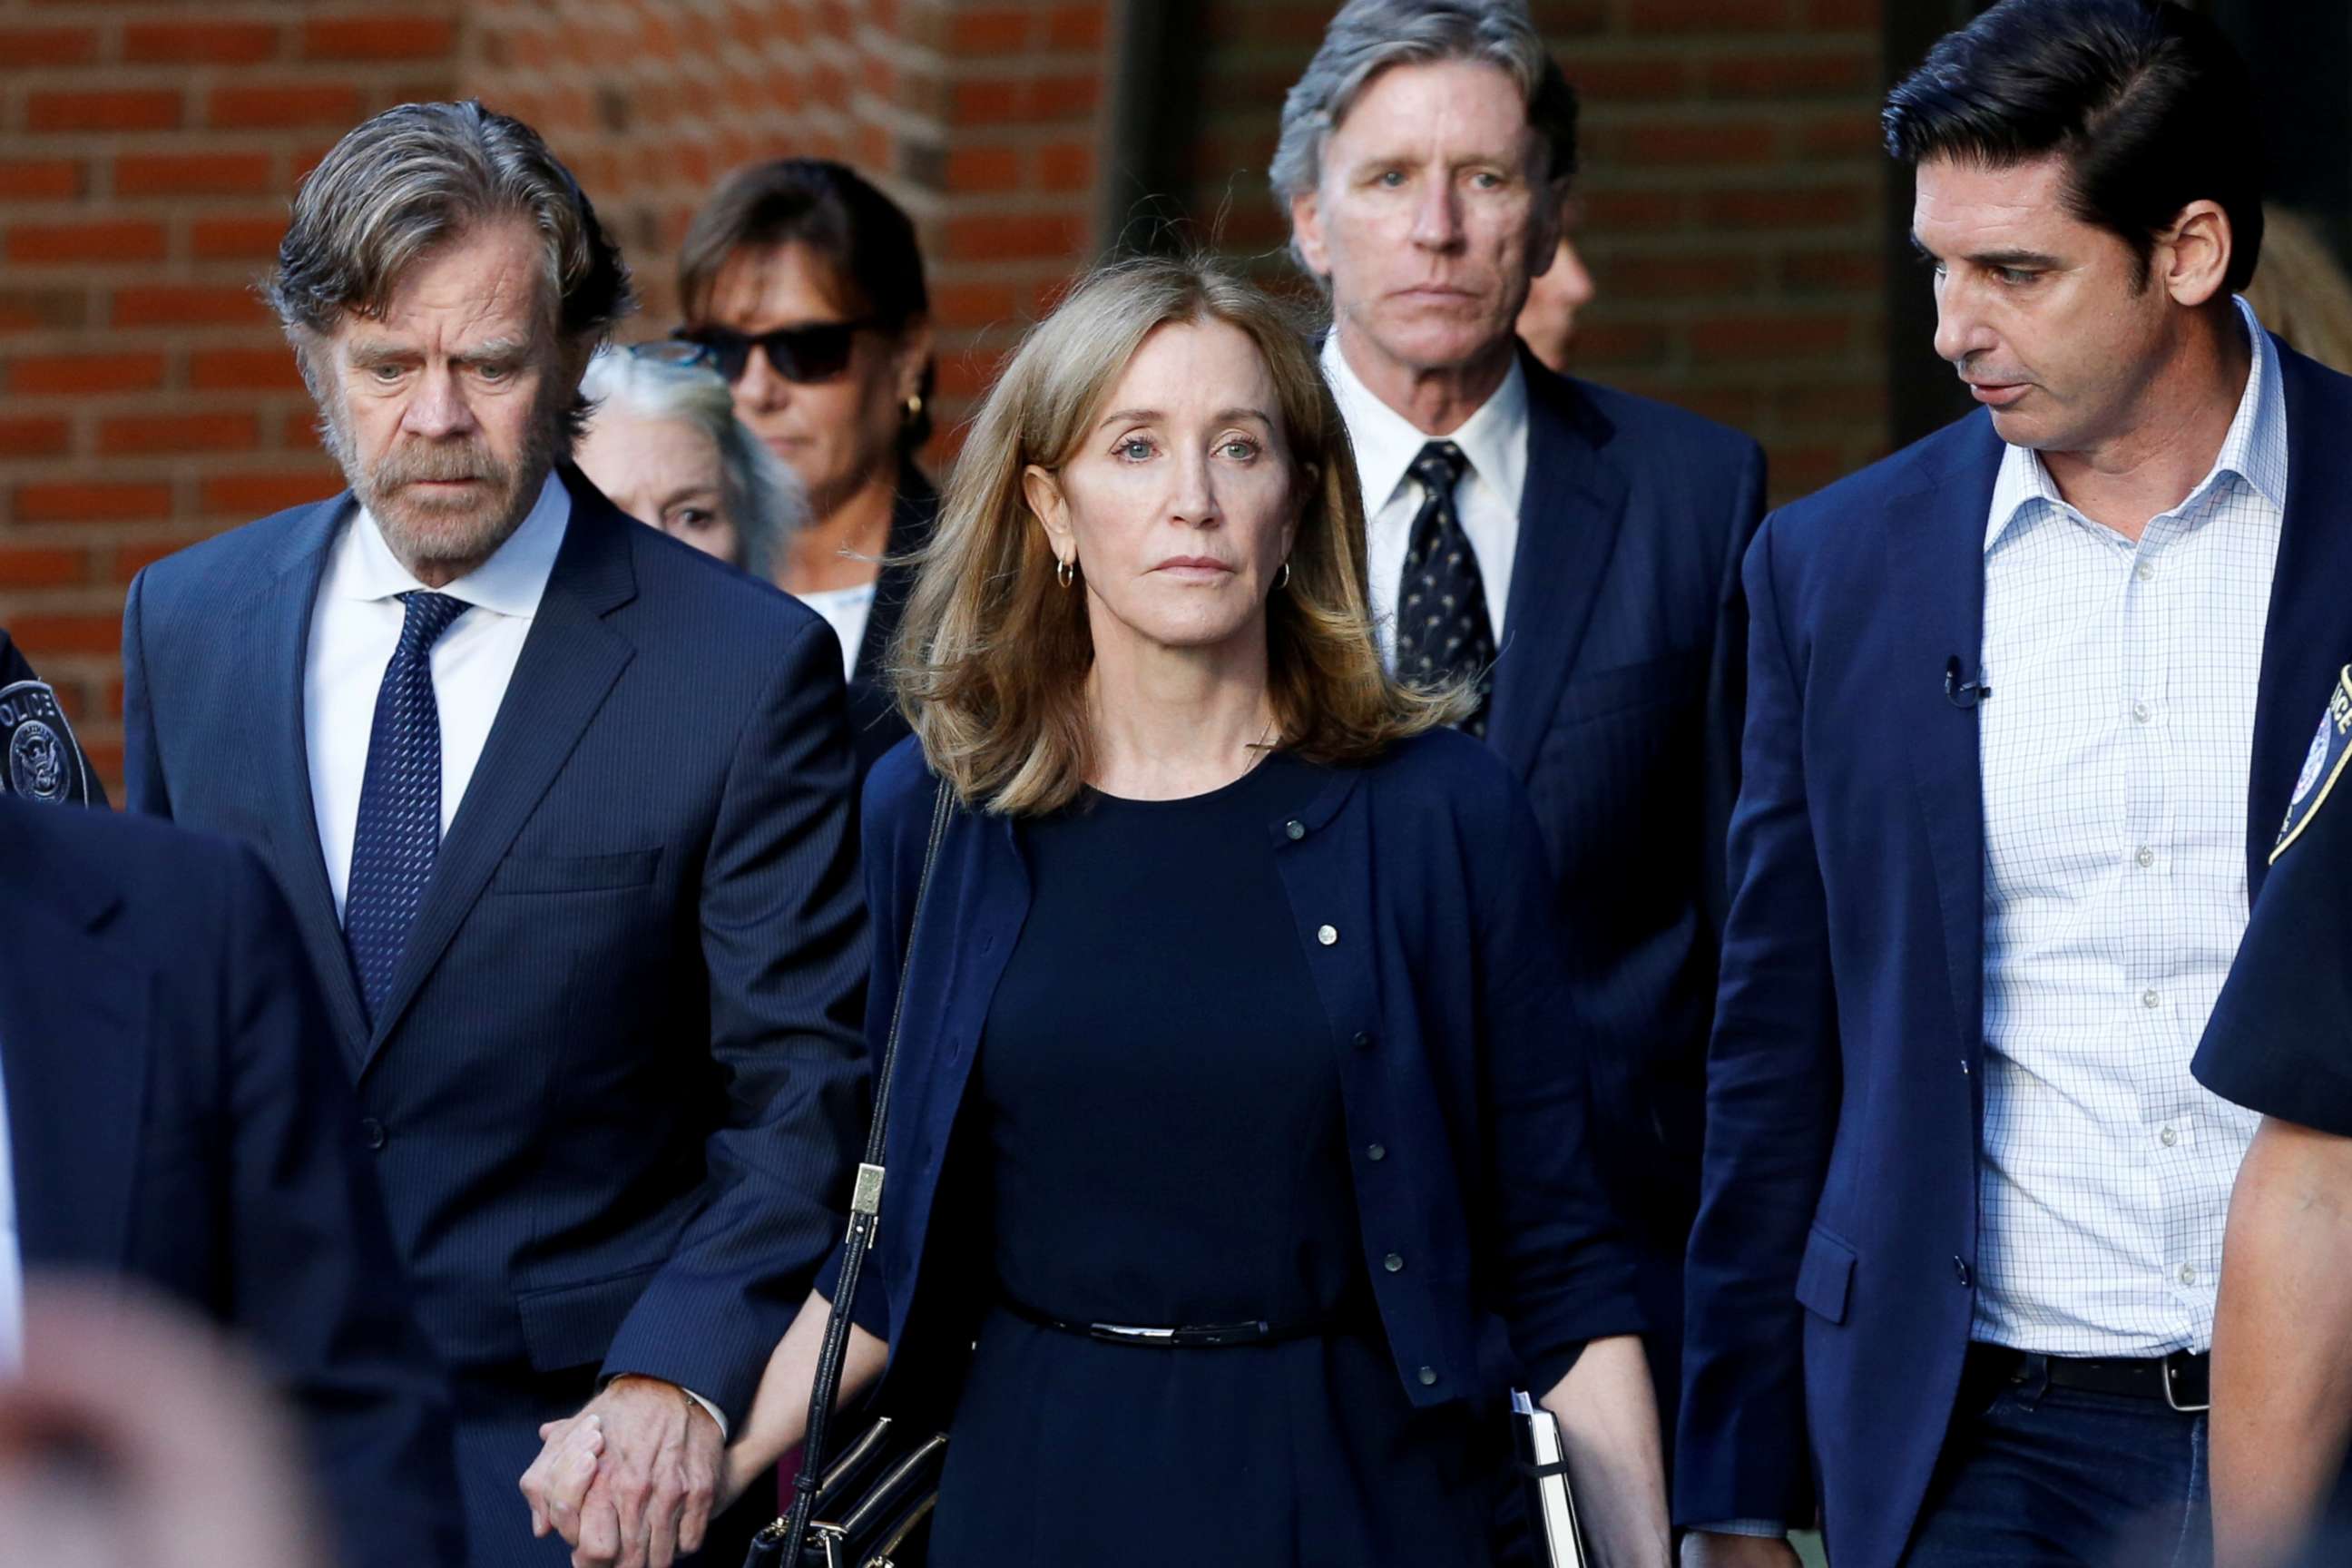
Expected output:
(1423, 903)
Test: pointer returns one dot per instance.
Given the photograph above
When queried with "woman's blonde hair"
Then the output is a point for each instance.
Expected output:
(991, 658)
(2300, 291)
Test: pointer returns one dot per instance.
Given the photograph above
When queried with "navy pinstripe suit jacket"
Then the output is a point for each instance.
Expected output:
(1618, 699)
(613, 1093)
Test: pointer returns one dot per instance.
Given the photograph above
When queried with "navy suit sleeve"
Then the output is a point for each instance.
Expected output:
(2280, 1040)
(313, 1276)
(1563, 1269)
(784, 937)
(1727, 692)
(142, 762)
(1772, 1076)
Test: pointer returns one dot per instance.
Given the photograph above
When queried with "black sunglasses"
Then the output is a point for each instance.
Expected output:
(818, 352)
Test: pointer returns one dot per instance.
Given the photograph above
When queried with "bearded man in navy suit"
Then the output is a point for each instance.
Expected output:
(1572, 548)
(562, 807)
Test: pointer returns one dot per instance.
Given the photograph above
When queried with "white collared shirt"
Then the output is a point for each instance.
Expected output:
(1486, 497)
(354, 630)
(2115, 753)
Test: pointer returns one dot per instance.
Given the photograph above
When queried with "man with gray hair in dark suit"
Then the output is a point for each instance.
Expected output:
(1574, 549)
(561, 806)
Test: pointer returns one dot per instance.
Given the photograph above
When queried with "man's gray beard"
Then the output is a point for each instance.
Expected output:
(420, 530)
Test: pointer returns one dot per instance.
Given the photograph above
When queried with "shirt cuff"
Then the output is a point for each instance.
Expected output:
(1770, 1528)
(714, 1412)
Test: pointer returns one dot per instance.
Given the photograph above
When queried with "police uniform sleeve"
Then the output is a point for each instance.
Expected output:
(48, 762)
(2280, 1040)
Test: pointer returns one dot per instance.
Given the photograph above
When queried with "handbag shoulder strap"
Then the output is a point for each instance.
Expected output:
(864, 1213)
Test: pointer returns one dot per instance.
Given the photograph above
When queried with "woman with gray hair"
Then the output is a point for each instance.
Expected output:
(662, 443)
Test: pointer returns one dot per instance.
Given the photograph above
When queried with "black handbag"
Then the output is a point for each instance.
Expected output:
(870, 1508)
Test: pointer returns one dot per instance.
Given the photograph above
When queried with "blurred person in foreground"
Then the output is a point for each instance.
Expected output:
(1570, 552)
(2027, 701)
(562, 809)
(1235, 1002)
(172, 1114)
(136, 1437)
(806, 285)
(664, 445)
(2280, 1042)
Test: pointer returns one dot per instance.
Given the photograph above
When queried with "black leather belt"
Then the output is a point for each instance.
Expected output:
(2183, 1379)
(1185, 1336)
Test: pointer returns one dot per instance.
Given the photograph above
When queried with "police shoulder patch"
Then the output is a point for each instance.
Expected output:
(38, 757)
(2322, 765)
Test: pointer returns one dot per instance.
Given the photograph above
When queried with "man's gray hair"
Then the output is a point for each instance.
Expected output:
(415, 177)
(1368, 36)
(765, 498)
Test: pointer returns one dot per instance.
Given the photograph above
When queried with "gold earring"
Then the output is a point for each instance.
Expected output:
(1283, 581)
(913, 407)
(1063, 573)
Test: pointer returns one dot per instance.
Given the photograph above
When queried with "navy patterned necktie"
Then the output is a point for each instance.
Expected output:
(1443, 630)
(400, 800)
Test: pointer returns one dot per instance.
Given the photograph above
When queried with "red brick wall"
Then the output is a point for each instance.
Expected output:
(146, 400)
(1732, 195)
(148, 148)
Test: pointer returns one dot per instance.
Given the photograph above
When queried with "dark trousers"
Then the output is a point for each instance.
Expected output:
(2034, 1475)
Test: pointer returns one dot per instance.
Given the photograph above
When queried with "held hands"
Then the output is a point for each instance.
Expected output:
(632, 1480)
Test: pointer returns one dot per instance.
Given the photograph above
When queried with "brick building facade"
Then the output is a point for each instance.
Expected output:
(1733, 206)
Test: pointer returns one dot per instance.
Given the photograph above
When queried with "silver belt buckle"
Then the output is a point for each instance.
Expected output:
(2173, 1399)
(1128, 1335)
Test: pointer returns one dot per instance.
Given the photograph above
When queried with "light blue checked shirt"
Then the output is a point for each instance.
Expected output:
(2116, 759)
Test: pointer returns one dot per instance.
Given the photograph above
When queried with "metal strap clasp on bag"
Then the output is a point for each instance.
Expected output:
(866, 1198)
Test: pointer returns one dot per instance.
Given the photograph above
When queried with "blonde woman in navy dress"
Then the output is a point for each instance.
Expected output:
(1238, 1003)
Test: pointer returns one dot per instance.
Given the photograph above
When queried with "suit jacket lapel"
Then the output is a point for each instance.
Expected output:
(1935, 571)
(74, 1058)
(1569, 515)
(2305, 639)
(569, 663)
(282, 611)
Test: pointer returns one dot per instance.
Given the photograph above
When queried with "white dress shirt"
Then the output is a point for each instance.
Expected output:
(1486, 497)
(847, 611)
(2115, 755)
(354, 630)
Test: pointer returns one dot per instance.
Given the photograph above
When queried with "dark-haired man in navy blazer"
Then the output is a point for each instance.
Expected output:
(562, 807)
(1573, 548)
(2027, 703)
(172, 1114)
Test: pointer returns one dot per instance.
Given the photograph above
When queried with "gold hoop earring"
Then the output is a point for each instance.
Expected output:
(1283, 581)
(1063, 573)
(913, 407)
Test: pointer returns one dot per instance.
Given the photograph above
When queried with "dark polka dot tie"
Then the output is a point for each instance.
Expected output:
(400, 800)
(1443, 630)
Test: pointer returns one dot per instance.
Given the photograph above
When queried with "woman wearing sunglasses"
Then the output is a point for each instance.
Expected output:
(803, 285)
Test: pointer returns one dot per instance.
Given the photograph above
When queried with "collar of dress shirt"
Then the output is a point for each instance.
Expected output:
(509, 584)
(1495, 439)
(2254, 449)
